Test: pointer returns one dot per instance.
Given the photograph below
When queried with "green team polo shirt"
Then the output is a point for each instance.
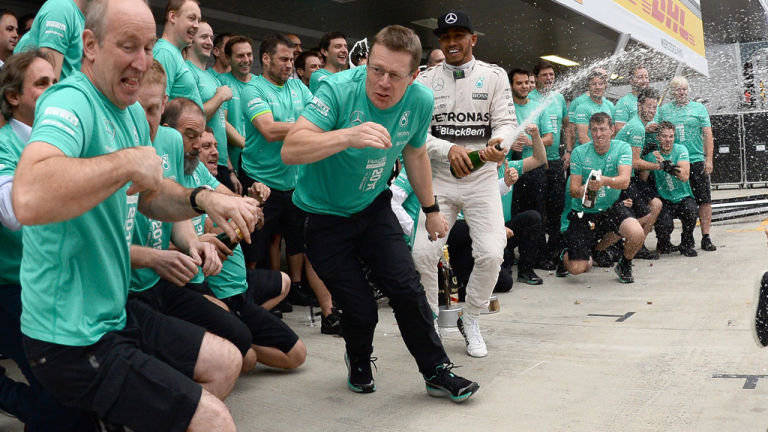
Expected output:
(688, 121)
(317, 76)
(180, 82)
(506, 199)
(152, 233)
(59, 26)
(348, 181)
(411, 204)
(584, 159)
(625, 109)
(261, 158)
(235, 115)
(575, 105)
(633, 133)
(214, 74)
(232, 280)
(556, 111)
(670, 187)
(523, 113)
(588, 108)
(11, 147)
(199, 177)
(75, 273)
(207, 86)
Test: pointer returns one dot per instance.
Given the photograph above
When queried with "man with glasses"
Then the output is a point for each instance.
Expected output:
(359, 122)
(474, 110)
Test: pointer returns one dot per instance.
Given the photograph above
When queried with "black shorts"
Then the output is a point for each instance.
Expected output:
(267, 329)
(584, 233)
(641, 194)
(264, 284)
(191, 306)
(139, 377)
(700, 183)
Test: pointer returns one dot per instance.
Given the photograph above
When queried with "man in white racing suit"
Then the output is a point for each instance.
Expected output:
(473, 111)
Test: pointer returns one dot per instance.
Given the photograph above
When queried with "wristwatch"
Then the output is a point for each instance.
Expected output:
(193, 198)
(431, 209)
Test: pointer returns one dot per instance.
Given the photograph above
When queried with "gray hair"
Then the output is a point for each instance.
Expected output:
(96, 17)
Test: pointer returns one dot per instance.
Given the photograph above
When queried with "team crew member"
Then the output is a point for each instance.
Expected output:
(297, 49)
(596, 103)
(220, 62)
(24, 78)
(571, 137)
(626, 107)
(474, 111)
(530, 187)
(307, 63)
(78, 234)
(645, 202)
(9, 34)
(693, 130)
(557, 113)
(215, 97)
(251, 293)
(349, 137)
(239, 52)
(609, 219)
(182, 19)
(435, 57)
(675, 191)
(333, 48)
(57, 30)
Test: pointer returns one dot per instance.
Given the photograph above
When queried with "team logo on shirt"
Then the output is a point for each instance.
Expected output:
(438, 84)
(166, 165)
(356, 118)
(479, 83)
(135, 136)
(320, 106)
(109, 127)
(480, 96)
(404, 118)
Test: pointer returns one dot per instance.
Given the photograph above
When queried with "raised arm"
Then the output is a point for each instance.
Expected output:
(307, 143)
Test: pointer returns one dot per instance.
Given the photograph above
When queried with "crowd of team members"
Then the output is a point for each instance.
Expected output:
(208, 305)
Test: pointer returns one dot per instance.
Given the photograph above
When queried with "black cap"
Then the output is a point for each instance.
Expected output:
(453, 19)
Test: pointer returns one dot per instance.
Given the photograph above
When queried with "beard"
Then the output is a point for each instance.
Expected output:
(190, 164)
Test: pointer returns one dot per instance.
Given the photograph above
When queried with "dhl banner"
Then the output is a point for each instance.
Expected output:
(673, 27)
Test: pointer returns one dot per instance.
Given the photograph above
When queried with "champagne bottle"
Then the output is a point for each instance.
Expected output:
(477, 161)
(224, 238)
(451, 285)
(590, 196)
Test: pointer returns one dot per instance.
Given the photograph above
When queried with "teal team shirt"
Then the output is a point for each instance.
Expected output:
(689, 121)
(506, 199)
(152, 233)
(670, 187)
(584, 159)
(201, 176)
(575, 105)
(524, 113)
(556, 111)
(588, 108)
(11, 147)
(261, 158)
(179, 79)
(207, 86)
(317, 76)
(411, 204)
(232, 280)
(235, 115)
(633, 133)
(347, 182)
(75, 273)
(59, 26)
(625, 109)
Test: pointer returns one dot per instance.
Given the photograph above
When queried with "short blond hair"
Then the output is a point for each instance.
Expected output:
(679, 81)
(154, 75)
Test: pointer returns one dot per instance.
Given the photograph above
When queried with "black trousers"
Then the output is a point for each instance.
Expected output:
(339, 247)
(462, 261)
(687, 211)
(554, 192)
(528, 238)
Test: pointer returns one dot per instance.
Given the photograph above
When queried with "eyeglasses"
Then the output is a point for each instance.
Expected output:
(379, 72)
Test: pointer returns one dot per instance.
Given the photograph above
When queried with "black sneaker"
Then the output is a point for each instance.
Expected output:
(285, 307)
(665, 248)
(602, 258)
(331, 323)
(624, 270)
(359, 374)
(301, 295)
(706, 244)
(760, 323)
(561, 271)
(529, 277)
(688, 251)
(546, 264)
(445, 383)
(645, 254)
